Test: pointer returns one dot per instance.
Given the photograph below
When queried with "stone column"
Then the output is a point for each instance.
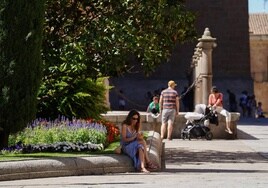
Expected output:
(107, 100)
(206, 43)
(198, 78)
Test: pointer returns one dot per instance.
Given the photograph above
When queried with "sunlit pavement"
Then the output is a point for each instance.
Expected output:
(196, 163)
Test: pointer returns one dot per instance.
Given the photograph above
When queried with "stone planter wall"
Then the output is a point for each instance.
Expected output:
(149, 123)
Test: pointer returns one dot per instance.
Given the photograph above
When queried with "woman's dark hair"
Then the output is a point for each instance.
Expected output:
(129, 119)
(214, 89)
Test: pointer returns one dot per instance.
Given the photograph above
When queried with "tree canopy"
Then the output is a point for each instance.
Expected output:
(101, 35)
(92, 39)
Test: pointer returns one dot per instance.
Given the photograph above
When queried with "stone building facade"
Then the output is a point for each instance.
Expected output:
(227, 21)
(258, 29)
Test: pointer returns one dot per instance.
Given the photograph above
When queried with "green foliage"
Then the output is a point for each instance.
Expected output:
(105, 33)
(44, 135)
(72, 97)
(21, 27)
(86, 40)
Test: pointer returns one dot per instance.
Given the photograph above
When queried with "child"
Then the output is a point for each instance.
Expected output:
(154, 106)
(259, 111)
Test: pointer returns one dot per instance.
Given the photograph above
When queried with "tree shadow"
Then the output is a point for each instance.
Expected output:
(178, 155)
(184, 170)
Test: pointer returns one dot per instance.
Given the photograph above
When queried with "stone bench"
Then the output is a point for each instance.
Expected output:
(76, 166)
(149, 123)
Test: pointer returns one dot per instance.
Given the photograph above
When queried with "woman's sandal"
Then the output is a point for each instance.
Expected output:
(151, 166)
(144, 170)
(228, 131)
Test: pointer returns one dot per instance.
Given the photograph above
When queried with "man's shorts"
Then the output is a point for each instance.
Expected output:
(168, 115)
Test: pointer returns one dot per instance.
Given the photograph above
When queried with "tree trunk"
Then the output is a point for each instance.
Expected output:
(3, 139)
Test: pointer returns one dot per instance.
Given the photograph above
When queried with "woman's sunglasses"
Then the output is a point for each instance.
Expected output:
(135, 118)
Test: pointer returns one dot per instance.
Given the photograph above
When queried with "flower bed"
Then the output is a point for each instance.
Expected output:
(63, 135)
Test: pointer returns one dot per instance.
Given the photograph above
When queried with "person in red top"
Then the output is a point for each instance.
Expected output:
(169, 108)
(215, 101)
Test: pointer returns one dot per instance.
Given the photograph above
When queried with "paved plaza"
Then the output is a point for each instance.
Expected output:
(196, 163)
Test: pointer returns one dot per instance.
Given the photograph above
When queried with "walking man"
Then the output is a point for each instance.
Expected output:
(169, 108)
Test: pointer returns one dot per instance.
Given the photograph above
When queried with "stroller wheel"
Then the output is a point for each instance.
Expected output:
(183, 136)
(209, 135)
(189, 136)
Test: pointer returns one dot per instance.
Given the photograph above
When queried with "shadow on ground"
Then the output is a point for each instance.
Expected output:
(244, 136)
(179, 156)
(204, 170)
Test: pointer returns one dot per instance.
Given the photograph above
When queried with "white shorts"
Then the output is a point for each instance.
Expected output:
(224, 112)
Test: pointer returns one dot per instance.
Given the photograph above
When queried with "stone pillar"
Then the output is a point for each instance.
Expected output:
(206, 43)
(198, 79)
(107, 100)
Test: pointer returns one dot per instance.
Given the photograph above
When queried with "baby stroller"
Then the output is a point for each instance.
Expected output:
(198, 121)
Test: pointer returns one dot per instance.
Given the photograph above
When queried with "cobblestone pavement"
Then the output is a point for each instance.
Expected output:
(196, 163)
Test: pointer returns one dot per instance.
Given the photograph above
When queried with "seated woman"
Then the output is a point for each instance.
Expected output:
(133, 144)
(215, 100)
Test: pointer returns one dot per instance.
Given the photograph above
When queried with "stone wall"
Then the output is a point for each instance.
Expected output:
(228, 22)
(148, 123)
(259, 68)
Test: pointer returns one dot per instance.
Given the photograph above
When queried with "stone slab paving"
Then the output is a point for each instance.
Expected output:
(195, 163)
(254, 133)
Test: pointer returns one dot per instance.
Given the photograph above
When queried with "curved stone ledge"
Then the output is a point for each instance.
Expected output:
(75, 166)
(154, 143)
(149, 123)
(65, 167)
